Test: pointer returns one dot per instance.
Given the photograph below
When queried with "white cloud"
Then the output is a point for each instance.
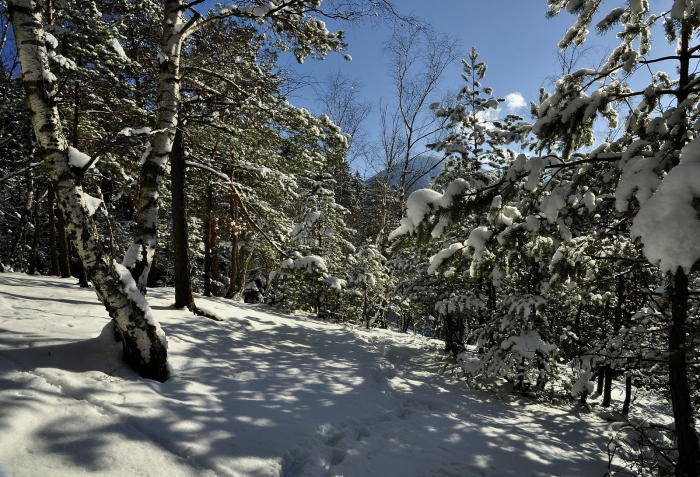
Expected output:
(512, 103)
(488, 114)
(515, 101)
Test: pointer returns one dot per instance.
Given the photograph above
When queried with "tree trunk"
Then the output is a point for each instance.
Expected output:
(139, 256)
(601, 381)
(153, 273)
(208, 240)
(607, 387)
(19, 241)
(63, 248)
(628, 395)
(688, 449)
(688, 446)
(79, 271)
(365, 314)
(215, 272)
(233, 285)
(143, 341)
(53, 250)
(617, 323)
(35, 241)
(183, 280)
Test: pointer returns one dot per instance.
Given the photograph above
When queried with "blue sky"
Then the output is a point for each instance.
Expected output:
(513, 38)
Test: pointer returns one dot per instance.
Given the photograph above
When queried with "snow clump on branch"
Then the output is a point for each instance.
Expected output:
(667, 223)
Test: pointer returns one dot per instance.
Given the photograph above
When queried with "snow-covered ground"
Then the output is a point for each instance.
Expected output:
(258, 394)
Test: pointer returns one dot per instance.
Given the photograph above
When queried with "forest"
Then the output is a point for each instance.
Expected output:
(153, 144)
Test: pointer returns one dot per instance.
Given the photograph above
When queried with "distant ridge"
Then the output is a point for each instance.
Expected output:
(417, 177)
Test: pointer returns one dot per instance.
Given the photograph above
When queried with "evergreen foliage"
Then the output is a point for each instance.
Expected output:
(578, 263)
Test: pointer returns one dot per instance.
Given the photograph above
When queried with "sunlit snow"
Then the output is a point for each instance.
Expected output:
(259, 393)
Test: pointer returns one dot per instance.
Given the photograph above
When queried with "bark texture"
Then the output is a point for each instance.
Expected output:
(139, 257)
(63, 247)
(208, 240)
(183, 279)
(686, 437)
(53, 250)
(143, 341)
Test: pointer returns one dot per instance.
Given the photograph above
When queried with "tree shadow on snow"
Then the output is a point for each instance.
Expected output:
(299, 395)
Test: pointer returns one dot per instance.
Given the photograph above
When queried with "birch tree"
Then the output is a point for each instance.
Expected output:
(144, 343)
(296, 26)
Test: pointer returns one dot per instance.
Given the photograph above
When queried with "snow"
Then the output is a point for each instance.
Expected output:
(92, 203)
(47, 76)
(53, 42)
(259, 393)
(63, 62)
(258, 11)
(135, 295)
(439, 228)
(553, 203)
(532, 223)
(437, 259)
(534, 166)
(334, 282)
(146, 152)
(131, 132)
(477, 240)
(668, 223)
(76, 158)
(680, 9)
(589, 200)
(117, 47)
(455, 188)
(133, 254)
(526, 344)
(517, 166)
(312, 217)
(507, 215)
(639, 176)
(583, 384)
(421, 202)
(418, 206)
(309, 262)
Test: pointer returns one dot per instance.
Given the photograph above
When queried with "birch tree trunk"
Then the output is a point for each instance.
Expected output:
(142, 338)
(139, 256)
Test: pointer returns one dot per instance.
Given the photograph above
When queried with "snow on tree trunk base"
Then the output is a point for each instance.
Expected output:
(134, 359)
(156, 366)
(145, 346)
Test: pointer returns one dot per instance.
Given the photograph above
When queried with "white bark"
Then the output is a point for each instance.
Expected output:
(139, 257)
(143, 340)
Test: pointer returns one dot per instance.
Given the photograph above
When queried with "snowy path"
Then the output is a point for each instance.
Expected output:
(259, 394)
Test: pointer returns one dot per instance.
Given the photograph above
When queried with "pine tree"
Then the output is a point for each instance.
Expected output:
(656, 154)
